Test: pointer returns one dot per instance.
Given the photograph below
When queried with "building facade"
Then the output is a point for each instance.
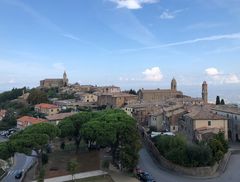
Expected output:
(52, 83)
(201, 124)
(160, 94)
(26, 121)
(232, 113)
(116, 100)
(48, 109)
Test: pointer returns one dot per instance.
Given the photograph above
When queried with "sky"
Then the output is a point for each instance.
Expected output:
(129, 43)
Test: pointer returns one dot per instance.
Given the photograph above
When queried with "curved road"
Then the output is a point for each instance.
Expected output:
(22, 162)
(232, 173)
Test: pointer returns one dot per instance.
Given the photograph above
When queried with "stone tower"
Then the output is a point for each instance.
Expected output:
(174, 85)
(205, 92)
(65, 79)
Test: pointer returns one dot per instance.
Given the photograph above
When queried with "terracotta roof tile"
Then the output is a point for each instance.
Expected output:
(46, 106)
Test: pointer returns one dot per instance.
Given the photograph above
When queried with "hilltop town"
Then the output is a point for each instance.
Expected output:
(156, 114)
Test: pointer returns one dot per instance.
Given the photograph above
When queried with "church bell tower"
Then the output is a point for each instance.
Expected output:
(65, 79)
(205, 92)
(174, 85)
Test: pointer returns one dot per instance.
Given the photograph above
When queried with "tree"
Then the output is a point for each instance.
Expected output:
(9, 120)
(127, 143)
(131, 91)
(11, 95)
(71, 127)
(218, 100)
(72, 168)
(37, 96)
(222, 102)
(104, 134)
(34, 137)
(5, 151)
(41, 175)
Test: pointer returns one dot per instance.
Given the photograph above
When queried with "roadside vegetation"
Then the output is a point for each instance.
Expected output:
(112, 129)
(177, 150)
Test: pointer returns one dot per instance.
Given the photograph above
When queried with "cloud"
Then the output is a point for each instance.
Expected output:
(70, 36)
(167, 15)
(233, 36)
(221, 78)
(212, 71)
(232, 78)
(132, 4)
(153, 74)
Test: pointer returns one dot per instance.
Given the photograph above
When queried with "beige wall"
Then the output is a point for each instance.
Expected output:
(89, 98)
(48, 111)
(221, 124)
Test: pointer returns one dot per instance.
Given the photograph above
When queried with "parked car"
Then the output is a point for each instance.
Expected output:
(146, 177)
(18, 174)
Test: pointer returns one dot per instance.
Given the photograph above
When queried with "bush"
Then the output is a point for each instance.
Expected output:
(44, 158)
(105, 164)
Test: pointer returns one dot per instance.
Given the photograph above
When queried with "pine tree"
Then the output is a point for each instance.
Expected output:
(222, 102)
(218, 100)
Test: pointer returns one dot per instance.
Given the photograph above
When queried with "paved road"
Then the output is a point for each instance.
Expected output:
(160, 174)
(21, 162)
(3, 139)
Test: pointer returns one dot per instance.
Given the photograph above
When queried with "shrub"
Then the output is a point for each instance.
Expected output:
(105, 164)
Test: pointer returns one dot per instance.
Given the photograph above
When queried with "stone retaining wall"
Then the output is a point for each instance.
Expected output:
(194, 171)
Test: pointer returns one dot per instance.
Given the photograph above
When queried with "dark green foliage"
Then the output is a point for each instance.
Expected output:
(105, 164)
(71, 126)
(178, 151)
(37, 96)
(44, 158)
(222, 102)
(41, 175)
(72, 168)
(219, 146)
(218, 100)
(112, 128)
(5, 151)
(11, 95)
(62, 146)
(131, 91)
(66, 96)
(52, 92)
(8, 121)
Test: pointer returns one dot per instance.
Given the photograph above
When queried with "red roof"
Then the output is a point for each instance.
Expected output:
(31, 120)
(46, 106)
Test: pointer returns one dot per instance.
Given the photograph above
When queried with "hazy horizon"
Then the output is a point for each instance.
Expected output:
(129, 43)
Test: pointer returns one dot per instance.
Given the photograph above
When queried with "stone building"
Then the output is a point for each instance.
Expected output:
(160, 94)
(116, 100)
(58, 82)
(87, 97)
(48, 109)
(232, 113)
(109, 89)
(166, 118)
(26, 121)
(201, 124)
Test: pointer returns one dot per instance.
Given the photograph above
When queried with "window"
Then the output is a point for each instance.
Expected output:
(209, 123)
